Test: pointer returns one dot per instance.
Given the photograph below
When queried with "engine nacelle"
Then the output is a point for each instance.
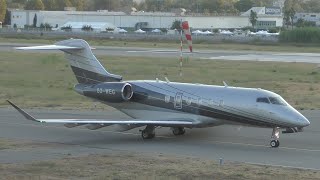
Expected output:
(114, 92)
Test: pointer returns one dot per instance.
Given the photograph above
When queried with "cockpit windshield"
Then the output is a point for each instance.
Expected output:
(263, 100)
(272, 100)
(277, 100)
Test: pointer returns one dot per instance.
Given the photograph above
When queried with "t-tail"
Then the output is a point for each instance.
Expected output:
(85, 66)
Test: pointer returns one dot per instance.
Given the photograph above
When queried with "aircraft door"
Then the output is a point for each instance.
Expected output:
(178, 101)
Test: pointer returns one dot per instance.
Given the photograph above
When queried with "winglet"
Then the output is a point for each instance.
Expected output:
(25, 114)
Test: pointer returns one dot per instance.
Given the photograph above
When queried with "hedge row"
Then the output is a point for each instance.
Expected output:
(301, 35)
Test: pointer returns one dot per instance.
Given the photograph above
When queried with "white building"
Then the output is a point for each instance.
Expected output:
(312, 17)
(279, 3)
(137, 20)
(268, 17)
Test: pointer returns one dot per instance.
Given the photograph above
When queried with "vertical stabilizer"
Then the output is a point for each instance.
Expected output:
(84, 64)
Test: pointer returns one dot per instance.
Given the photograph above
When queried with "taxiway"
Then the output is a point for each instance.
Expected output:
(201, 54)
(232, 143)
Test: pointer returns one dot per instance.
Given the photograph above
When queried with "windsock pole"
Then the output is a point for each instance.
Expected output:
(181, 55)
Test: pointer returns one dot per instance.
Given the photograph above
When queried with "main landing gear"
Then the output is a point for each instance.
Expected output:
(274, 143)
(148, 132)
(177, 131)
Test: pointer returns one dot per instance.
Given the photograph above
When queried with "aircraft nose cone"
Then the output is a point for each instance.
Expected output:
(306, 122)
(303, 121)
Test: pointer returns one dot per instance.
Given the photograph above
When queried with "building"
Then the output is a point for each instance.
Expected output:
(143, 20)
(268, 17)
(312, 17)
(279, 3)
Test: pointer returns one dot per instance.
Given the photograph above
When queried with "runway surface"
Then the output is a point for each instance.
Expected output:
(201, 54)
(232, 143)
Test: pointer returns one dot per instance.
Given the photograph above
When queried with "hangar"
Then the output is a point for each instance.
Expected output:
(146, 20)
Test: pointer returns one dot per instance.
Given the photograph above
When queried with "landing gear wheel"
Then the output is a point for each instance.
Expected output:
(148, 133)
(178, 131)
(275, 143)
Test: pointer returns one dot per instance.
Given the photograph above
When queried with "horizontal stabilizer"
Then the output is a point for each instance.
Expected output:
(104, 122)
(49, 47)
(85, 66)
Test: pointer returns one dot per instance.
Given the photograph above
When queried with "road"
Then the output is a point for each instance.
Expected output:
(232, 143)
(201, 54)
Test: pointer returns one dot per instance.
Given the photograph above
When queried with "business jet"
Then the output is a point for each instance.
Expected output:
(156, 103)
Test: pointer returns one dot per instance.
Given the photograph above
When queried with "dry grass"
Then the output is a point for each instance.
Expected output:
(141, 166)
(7, 144)
(45, 80)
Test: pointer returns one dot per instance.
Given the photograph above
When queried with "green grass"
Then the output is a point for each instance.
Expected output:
(254, 46)
(46, 80)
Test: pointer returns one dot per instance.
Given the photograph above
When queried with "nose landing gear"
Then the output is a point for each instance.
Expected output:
(274, 143)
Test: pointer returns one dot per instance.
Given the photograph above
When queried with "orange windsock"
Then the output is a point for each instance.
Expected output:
(186, 30)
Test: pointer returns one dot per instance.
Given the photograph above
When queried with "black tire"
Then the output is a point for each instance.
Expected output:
(178, 131)
(183, 131)
(274, 143)
(146, 135)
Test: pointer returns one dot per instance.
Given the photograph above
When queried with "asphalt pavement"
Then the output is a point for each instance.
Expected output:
(232, 143)
(201, 54)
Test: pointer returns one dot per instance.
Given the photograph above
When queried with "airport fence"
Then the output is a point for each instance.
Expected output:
(160, 37)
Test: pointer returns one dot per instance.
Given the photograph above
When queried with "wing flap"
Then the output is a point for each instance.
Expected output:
(159, 122)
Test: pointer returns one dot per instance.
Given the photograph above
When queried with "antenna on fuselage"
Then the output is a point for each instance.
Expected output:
(225, 84)
(167, 80)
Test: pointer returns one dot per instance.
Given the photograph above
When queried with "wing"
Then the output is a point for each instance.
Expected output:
(160, 122)
(49, 47)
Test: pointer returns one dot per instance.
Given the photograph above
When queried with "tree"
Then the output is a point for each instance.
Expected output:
(243, 5)
(262, 3)
(176, 25)
(312, 6)
(3, 9)
(253, 18)
(35, 19)
(61, 4)
(286, 18)
(34, 5)
(292, 13)
(107, 4)
(50, 5)
(7, 19)
(295, 4)
(78, 4)
(300, 23)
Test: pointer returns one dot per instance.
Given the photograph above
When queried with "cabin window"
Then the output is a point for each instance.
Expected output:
(263, 100)
(277, 101)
